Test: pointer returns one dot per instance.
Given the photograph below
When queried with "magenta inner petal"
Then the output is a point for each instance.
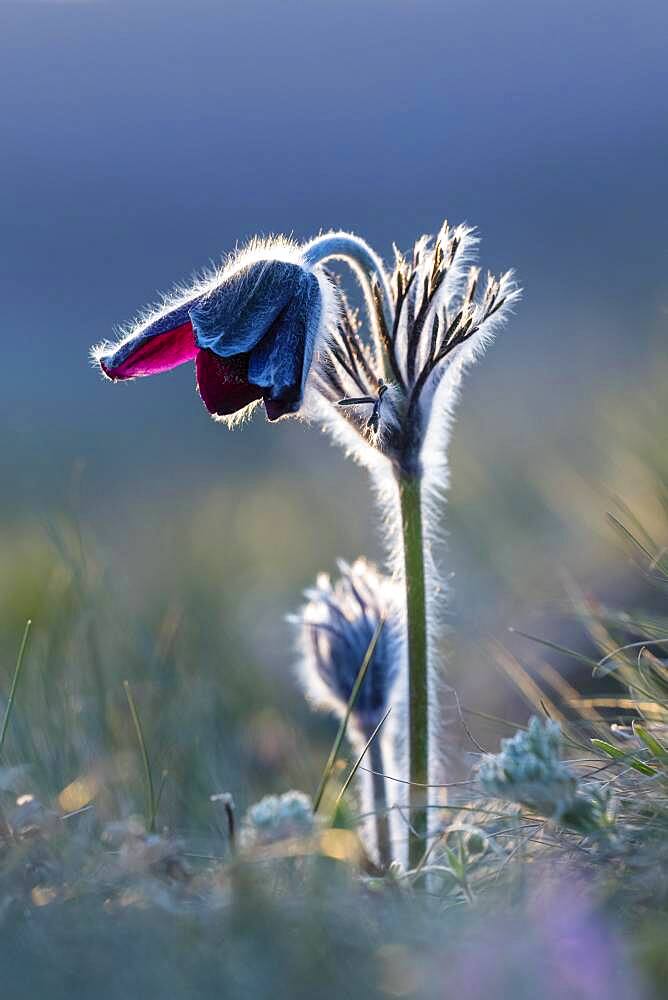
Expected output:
(157, 354)
(223, 383)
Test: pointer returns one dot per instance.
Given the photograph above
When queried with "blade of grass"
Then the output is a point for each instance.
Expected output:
(638, 526)
(654, 676)
(638, 622)
(516, 673)
(15, 681)
(161, 787)
(653, 745)
(359, 760)
(618, 754)
(148, 777)
(556, 646)
(569, 695)
(629, 536)
(331, 760)
(600, 672)
(525, 684)
(615, 701)
(494, 718)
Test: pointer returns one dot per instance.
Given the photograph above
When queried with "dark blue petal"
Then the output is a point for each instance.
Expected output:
(234, 317)
(281, 361)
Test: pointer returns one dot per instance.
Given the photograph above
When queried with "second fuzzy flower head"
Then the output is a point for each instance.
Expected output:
(336, 627)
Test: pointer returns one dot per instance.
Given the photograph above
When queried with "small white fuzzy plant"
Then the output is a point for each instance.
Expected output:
(273, 326)
(529, 770)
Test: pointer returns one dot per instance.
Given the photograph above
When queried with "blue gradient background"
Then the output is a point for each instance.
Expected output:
(143, 139)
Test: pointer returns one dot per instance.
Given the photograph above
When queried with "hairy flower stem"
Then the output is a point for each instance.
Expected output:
(418, 694)
(380, 803)
(367, 267)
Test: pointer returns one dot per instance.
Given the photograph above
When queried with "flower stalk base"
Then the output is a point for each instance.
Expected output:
(418, 680)
(381, 818)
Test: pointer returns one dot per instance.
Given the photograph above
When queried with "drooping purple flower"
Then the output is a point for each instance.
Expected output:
(251, 328)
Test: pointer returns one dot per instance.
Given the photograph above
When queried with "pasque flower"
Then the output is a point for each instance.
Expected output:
(251, 328)
(389, 399)
(430, 318)
(336, 627)
(271, 325)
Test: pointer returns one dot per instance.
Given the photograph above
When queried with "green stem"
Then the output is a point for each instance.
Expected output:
(382, 822)
(381, 817)
(151, 808)
(418, 693)
(15, 682)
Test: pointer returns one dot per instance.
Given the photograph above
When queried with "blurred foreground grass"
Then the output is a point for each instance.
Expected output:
(188, 609)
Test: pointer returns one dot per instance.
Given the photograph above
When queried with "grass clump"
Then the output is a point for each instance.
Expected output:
(545, 872)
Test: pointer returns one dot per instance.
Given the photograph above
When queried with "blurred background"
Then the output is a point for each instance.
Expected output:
(141, 140)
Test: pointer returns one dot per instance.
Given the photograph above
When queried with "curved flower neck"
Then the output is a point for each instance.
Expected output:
(359, 255)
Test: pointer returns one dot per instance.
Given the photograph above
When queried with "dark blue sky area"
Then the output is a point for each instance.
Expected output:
(141, 139)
